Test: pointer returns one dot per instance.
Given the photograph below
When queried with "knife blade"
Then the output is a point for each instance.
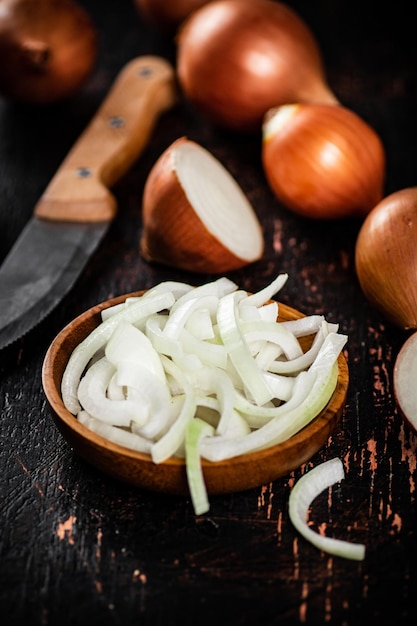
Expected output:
(75, 210)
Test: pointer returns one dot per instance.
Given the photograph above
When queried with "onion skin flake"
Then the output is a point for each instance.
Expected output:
(238, 383)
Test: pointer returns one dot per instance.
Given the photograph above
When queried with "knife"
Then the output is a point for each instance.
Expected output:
(75, 210)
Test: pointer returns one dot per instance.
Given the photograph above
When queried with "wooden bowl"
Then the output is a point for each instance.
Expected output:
(237, 474)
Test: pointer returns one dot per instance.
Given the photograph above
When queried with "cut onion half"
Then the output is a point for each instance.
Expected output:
(306, 489)
(404, 381)
(195, 215)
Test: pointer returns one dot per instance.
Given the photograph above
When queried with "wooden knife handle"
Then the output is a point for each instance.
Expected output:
(118, 132)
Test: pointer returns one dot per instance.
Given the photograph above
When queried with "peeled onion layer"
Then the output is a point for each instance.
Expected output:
(195, 215)
(305, 490)
(197, 429)
(323, 161)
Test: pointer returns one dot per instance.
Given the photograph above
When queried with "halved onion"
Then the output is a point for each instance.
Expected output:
(195, 215)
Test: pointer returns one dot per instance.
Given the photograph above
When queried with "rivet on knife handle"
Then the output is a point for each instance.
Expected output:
(118, 132)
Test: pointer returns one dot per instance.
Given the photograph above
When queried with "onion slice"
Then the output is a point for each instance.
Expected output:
(196, 430)
(306, 489)
(238, 349)
(170, 443)
(121, 436)
(93, 398)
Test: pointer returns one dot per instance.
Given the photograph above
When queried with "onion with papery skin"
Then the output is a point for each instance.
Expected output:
(323, 161)
(167, 15)
(195, 215)
(238, 58)
(48, 49)
(386, 257)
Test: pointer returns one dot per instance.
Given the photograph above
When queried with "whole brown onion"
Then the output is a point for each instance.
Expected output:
(323, 161)
(47, 49)
(238, 58)
(386, 258)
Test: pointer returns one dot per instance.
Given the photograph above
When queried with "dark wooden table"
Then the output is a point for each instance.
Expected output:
(78, 548)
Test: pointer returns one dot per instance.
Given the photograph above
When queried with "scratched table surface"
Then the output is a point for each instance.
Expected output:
(77, 547)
